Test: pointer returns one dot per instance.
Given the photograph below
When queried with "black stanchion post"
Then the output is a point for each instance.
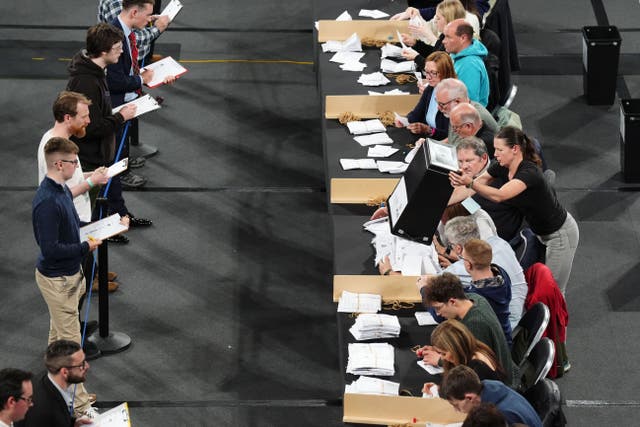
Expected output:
(106, 340)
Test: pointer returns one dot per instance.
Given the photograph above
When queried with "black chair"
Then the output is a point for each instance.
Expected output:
(546, 399)
(537, 364)
(527, 248)
(529, 331)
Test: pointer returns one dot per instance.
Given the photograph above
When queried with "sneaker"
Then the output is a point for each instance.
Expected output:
(138, 162)
(130, 180)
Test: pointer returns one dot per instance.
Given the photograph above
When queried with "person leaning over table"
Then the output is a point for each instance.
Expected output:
(526, 188)
(425, 118)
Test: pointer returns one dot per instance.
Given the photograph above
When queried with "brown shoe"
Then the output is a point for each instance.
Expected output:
(111, 276)
(112, 286)
(92, 398)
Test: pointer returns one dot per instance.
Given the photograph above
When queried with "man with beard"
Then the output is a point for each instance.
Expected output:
(98, 147)
(55, 389)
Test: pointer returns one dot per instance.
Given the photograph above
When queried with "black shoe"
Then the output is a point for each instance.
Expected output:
(120, 239)
(130, 180)
(159, 100)
(138, 162)
(91, 350)
(92, 326)
(134, 221)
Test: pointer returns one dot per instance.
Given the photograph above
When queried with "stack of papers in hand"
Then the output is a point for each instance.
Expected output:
(373, 79)
(389, 66)
(381, 151)
(367, 126)
(350, 164)
(392, 167)
(162, 69)
(433, 370)
(391, 51)
(352, 44)
(375, 14)
(371, 359)
(172, 9)
(375, 326)
(144, 104)
(373, 139)
(351, 302)
(368, 385)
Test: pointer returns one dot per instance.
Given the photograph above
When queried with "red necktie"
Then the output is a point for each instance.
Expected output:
(134, 53)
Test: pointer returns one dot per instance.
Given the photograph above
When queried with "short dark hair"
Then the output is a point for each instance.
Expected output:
(127, 4)
(442, 288)
(67, 103)
(58, 354)
(11, 384)
(101, 38)
(459, 381)
(60, 145)
(464, 29)
(485, 415)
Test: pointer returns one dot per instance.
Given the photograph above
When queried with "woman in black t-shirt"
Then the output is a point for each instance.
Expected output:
(518, 165)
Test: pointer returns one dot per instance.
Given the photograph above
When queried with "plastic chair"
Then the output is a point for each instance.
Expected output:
(537, 364)
(527, 248)
(546, 399)
(529, 331)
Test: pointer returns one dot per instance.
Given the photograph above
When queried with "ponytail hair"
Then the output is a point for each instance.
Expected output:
(514, 136)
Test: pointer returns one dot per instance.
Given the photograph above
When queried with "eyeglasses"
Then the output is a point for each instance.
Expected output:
(75, 162)
(29, 399)
(444, 104)
(430, 73)
(456, 128)
(82, 365)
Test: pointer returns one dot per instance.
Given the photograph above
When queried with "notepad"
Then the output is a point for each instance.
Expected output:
(114, 417)
(103, 229)
(172, 9)
(118, 168)
(350, 164)
(144, 104)
(162, 69)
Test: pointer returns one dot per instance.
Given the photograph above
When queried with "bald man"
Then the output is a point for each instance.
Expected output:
(465, 121)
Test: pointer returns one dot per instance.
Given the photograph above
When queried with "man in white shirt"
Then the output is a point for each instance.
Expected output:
(16, 395)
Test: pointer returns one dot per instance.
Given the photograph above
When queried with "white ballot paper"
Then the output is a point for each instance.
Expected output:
(353, 66)
(425, 318)
(103, 229)
(352, 44)
(391, 51)
(389, 66)
(366, 126)
(368, 385)
(144, 103)
(433, 370)
(172, 9)
(350, 164)
(396, 92)
(118, 168)
(381, 151)
(346, 57)
(401, 119)
(371, 359)
(164, 68)
(373, 139)
(370, 326)
(344, 16)
(404, 46)
(351, 302)
(392, 167)
(115, 417)
(373, 79)
(375, 14)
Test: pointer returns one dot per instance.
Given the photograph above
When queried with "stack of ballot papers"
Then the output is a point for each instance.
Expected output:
(433, 370)
(391, 51)
(375, 14)
(368, 385)
(373, 79)
(389, 92)
(381, 151)
(371, 359)
(375, 326)
(373, 139)
(392, 167)
(349, 61)
(389, 66)
(351, 302)
(366, 126)
(162, 69)
(352, 44)
(425, 318)
(351, 164)
(143, 104)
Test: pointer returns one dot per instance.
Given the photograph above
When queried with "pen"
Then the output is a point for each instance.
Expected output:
(91, 238)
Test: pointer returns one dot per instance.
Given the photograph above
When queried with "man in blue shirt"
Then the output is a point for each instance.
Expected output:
(464, 391)
(56, 227)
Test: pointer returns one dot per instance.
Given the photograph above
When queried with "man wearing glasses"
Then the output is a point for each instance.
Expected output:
(465, 121)
(56, 227)
(55, 390)
(16, 394)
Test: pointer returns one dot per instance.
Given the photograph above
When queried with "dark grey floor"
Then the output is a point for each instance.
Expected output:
(228, 296)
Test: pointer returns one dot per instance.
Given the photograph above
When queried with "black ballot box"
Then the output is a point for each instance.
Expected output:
(600, 57)
(422, 194)
(630, 139)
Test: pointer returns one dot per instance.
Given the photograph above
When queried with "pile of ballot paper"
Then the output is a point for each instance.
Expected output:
(368, 385)
(373, 79)
(351, 302)
(366, 126)
(371, 359)
(375, 326)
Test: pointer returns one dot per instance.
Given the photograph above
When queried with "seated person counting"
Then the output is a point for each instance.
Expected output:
(452, 344)
(461, 230)
(425, 41)
(473, 160)
(426, 119)
(486, 415)
(445, 294)
(465, 391)
(451, 92)
(465, 121)
(526, 188)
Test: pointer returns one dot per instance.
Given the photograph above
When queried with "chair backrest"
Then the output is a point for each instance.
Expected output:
(529, 331)
(546, 399)
(527, 248)
(537, 364)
